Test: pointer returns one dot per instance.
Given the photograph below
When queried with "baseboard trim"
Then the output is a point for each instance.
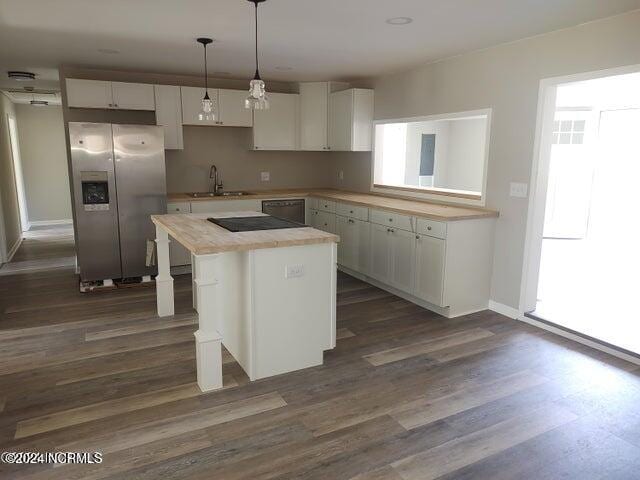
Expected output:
(505, 310)
(515, 314)
(49, 223)
(12, 251)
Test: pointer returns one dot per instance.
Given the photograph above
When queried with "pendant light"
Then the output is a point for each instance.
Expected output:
(257, 99)
(206, 111)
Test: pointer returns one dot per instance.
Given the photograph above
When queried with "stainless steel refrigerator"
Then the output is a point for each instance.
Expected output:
(118, 182)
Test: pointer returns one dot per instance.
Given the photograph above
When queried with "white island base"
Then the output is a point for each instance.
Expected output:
(274, 309)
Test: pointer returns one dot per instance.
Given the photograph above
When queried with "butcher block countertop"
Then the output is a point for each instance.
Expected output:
(202, 237)
(433, 211)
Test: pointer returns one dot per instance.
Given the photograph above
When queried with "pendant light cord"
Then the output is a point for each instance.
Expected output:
(206, 83)
(257, 75)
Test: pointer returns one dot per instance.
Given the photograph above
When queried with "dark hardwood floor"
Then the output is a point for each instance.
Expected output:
(406, 394)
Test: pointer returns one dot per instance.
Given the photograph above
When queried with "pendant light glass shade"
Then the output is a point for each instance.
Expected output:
(207, 113)
(257, 99)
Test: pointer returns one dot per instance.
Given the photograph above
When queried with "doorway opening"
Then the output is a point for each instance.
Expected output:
(589, 256)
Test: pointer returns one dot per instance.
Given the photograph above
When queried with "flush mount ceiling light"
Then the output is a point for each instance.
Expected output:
(257, 99)
(206, 112)
(38, 103)
(399, 20)
(21, 76)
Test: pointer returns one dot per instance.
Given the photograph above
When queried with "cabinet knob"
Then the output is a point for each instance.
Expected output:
(115, 105)
(428, 228)
(417, 237)
(111, 104)
(391, 219)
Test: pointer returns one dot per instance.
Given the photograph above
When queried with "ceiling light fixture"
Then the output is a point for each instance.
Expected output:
(21, 76)
(206, 112)
(257, 99)
(284, 69)
(399, 20)
(108, 51)
(38, 103)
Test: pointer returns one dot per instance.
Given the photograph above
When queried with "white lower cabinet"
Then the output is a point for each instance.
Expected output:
(212, 206)
(353, 249)
(429, 262)
(326, 222)
(403, 253)
(178, 255)
(380, 264)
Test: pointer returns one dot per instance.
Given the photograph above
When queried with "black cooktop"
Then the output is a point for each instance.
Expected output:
(249, 224)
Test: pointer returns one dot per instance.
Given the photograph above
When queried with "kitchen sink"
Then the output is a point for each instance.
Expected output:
(221, 194)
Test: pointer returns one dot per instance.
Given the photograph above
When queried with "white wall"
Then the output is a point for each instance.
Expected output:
(8, 194)
(465, 155)
(44, 162)
(506, 78)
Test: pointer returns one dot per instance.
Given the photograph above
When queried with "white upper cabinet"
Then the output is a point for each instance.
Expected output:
(276, 127)
(350, 120)
(169, 115)
(314, 111)
(89, 93)
(133, 96)
(231, 110)
(192, 104)
(111, 95)
(228, 106)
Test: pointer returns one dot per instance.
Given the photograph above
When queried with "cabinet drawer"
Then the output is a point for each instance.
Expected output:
(353, 211)
(403, 222)
(432, 228)
(326, 222)
(312, 203)
(326, 205)
(179, 207)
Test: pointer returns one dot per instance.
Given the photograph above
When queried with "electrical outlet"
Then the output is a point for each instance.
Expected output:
(518, 190)
(341, 175)
(293, 271)
(265, 176)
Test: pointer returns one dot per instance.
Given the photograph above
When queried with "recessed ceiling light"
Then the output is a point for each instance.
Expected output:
(284, 68)
(399, 20)
(108, 51)
(21, 76)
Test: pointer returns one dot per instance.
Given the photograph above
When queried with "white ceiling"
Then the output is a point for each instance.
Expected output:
(53, 98)
(319, 40)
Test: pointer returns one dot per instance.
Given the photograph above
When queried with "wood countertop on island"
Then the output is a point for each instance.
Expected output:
(202, 237)
(419, 208)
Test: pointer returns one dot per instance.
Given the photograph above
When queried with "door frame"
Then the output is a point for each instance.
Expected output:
(540, 178)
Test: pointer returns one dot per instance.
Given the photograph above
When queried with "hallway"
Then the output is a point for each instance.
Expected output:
(43, 248)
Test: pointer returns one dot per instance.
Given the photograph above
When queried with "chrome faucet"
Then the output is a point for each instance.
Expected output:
(217, 180)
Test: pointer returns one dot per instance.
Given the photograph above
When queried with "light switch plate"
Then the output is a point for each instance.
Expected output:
(293, 271)
(265, 176)
(518, 190)
(341, 175)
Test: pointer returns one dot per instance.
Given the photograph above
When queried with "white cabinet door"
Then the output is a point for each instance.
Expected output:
(169, 115)
(340, 120)
(348, 246)
(364, 246)
(275, 128)
(327, 222)
(133, 96)
(430, 255)
(231, 109)
(403, 254)
(314, 219)
(89, 93)
(192, 104)
(212, 206)
(380, 264)
(351, 119)
(178, 255)
(314, 111)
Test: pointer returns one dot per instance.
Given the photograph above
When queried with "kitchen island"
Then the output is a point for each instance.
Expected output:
(268, 296)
